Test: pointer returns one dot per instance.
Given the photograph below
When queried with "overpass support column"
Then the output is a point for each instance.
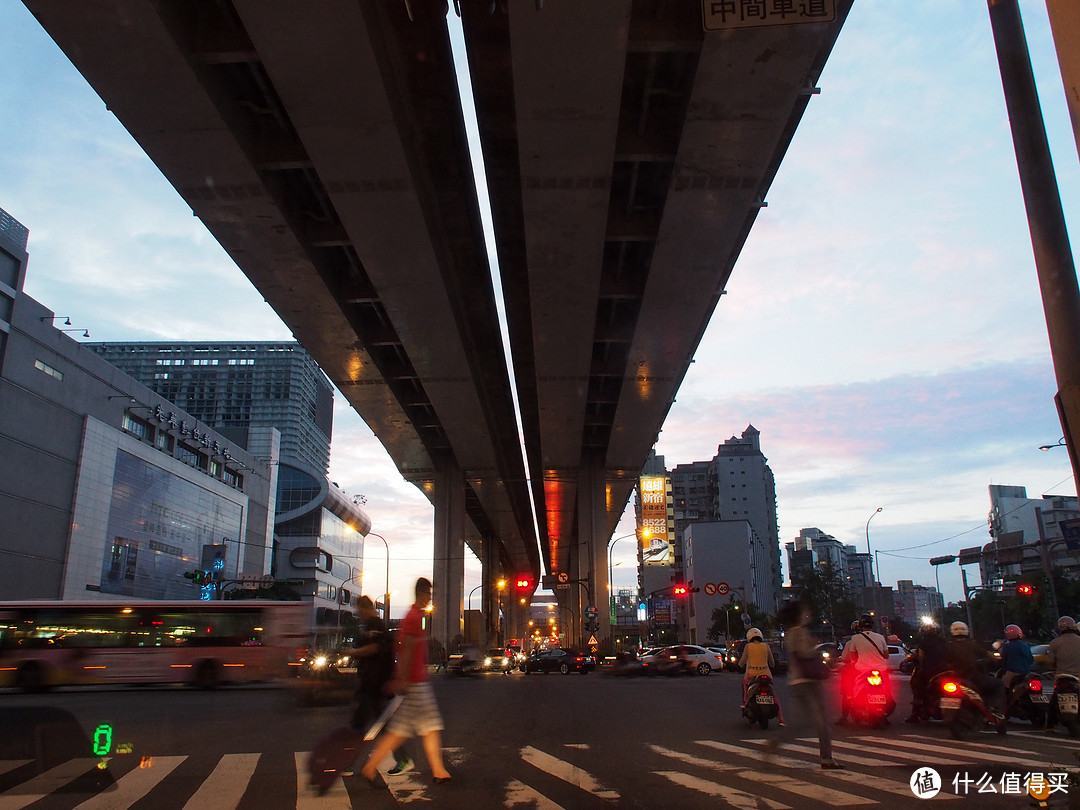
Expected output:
(489, 576)
(449, 568)
(592, 540)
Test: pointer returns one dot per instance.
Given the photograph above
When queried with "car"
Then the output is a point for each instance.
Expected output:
(1041, 654)
(497, 660)
(557, 659)
(685, 657)
(721, 651)
(898, 653)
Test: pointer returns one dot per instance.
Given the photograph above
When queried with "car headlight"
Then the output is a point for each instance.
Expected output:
(319, 662)
(487, 662)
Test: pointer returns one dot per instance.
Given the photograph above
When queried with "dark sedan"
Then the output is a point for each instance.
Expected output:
(558, 660)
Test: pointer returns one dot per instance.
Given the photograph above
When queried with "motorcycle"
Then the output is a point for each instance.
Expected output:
(1064, 707)
(1026, 700)
(761, 705)
(961, 707)
(871, 698)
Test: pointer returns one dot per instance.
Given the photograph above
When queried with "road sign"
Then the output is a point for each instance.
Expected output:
(746, 620)
(722, 588)
(591, 612)
(563, 577)
(592, 642)
(710, 589)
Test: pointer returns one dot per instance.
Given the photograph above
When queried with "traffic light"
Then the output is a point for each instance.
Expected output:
(198, 577)
(679, 590)
(1025, 590)
(523, 583)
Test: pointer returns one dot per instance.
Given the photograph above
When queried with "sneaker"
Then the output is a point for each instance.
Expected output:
(401, 767)
(781, 724)
(347, 772)
(831, 765)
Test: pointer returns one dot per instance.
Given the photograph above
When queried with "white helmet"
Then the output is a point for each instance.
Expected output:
(957, 629)
(753, 633)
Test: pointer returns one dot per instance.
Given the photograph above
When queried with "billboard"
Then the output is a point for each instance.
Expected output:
(655, 518)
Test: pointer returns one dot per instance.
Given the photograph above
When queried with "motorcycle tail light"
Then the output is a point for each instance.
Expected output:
(1035, 686)
(950, 686)
(874, 678)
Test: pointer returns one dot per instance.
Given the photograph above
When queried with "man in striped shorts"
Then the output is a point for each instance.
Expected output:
(418, 715)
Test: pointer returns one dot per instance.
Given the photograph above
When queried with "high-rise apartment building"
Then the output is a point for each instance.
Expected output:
(1030, 533)
(234, 387)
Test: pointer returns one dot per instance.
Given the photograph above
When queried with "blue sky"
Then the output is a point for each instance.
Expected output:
(882, 328)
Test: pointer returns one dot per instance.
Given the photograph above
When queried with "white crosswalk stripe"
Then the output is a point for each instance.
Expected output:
(518, 793)
(927, 749)
(736, 798)
(133, 785)
(225, 786)
(43, 784)
(567, 772)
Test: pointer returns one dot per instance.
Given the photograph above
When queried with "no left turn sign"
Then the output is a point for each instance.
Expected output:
(710, 589)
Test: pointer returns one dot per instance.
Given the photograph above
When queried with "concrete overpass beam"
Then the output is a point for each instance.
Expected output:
(449, 558)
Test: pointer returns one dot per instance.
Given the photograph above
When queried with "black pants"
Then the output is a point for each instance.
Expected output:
(369, 704)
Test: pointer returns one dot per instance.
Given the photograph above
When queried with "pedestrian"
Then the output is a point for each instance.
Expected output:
(374, 668)
(443, 658)
(809, 698)
(418, 715)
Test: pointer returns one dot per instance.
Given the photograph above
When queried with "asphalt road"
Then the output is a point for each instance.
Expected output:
(543, 741)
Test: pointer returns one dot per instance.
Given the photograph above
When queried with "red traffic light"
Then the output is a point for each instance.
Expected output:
(680, 590)
(523, 583)
(1025, 590)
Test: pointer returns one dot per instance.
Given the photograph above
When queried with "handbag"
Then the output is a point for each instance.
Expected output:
(813, 668)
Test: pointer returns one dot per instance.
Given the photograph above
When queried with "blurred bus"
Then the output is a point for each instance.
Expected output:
(203, 644)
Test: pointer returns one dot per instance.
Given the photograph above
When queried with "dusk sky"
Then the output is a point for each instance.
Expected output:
(882, 329)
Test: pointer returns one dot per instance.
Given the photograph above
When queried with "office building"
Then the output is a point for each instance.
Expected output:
(1030, 534)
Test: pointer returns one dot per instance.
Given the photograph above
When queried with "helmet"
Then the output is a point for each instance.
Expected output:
(959, 630)
(854, 626)
(1013, 632)
(753, 633)
(1067, 623)
(866, 622)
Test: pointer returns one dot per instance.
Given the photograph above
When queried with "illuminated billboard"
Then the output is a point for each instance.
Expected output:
(655, 516)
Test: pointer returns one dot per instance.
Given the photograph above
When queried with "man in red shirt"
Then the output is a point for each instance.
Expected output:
(418, 715)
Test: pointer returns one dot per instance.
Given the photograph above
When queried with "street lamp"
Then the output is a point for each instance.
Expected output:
(868, 544)
(1060, 443)
(727, 618)
(386, 596)
(936, 562)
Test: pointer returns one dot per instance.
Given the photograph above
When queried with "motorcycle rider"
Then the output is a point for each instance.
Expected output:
(930, 660)
(757, 659)
(1064, 657)
(867, 650)
(968, 661)
(1016, 655)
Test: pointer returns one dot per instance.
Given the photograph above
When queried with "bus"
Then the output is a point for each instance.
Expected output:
(204, 644)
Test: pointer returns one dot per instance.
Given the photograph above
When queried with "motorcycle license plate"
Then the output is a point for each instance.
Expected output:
(1040, 698)
(1067, 704)
(766, 699)
(950, 703)
(876, 700)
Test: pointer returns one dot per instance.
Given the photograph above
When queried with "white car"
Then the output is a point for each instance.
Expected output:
(683, 658)
(897, 654)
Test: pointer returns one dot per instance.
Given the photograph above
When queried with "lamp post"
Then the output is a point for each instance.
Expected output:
(386, 596)
(344, 582)
(727, 619)
(610, 571)
(872, 582)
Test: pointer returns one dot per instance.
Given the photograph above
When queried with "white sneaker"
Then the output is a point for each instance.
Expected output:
(401, 767)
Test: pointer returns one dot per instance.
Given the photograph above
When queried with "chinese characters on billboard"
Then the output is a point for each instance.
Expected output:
(655, 540)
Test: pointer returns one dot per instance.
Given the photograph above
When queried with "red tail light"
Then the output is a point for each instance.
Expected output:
(950, 686)
(1035, 686)
(874, 678)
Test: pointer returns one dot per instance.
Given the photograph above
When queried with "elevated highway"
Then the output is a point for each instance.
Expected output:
(628, 151)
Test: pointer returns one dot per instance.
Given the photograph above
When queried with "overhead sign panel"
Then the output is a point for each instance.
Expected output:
(723, 15)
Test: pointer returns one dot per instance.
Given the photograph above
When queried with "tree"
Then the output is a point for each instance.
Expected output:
(827, 593)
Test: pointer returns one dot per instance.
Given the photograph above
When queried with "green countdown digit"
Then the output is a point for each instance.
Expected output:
(102, 740)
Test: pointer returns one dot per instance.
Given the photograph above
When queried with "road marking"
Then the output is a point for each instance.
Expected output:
(43, 784)
(808, 789)
(226, 784)
(957, 749)
(736, 798)
(909, 756)
(581, 746)
(133, 785)
(690, 759)
(895, 787)
(518, 793)
(567, 772)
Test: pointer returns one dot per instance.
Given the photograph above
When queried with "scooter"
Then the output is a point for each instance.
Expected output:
(871, 699)
(1026, 700)
(961, 706)
(1064, 707)
(761, 705)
